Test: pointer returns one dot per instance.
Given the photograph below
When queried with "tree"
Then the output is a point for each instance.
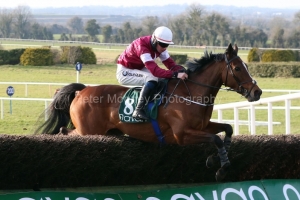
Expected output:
(150, 23)
(121, 36)
(222, 28)
(63, 37)
(194, 21)
(6, 19)
(297, 17)
(211, 27)
(92, 29)
(106, 32)
(35, 31)
(58, 29)
(293, 41)
(261, 38)
(178, 27)
(39, 32)
(76, 25)
(23, 18)
(278, 40)
(137, 32)
(128, 32)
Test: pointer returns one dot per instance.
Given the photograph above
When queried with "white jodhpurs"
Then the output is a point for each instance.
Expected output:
(137, 77)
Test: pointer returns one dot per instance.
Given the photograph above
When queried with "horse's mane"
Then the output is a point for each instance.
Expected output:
(196, 65)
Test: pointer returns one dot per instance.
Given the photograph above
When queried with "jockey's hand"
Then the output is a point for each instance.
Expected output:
(182, 75)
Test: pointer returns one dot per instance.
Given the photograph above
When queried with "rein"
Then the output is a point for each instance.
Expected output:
(181, 97)
(241, 89)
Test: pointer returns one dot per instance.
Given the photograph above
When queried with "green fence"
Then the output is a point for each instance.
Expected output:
(251, 190)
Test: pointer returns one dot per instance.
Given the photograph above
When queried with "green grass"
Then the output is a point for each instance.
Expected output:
(25, 113)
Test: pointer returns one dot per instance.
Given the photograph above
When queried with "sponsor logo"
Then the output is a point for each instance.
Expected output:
(127, 73)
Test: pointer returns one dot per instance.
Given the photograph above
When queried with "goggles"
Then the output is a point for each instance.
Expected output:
(163, 45)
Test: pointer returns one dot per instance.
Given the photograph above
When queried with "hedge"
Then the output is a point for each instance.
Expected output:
(37, 57)
(271, 70)
(45, 161)
(10, 57)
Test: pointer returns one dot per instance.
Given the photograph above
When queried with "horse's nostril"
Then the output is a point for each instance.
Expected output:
(257, 93)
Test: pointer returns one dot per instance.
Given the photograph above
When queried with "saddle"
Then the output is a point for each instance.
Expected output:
(130, 100)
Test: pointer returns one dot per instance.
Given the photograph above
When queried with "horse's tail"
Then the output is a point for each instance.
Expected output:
(58, 111)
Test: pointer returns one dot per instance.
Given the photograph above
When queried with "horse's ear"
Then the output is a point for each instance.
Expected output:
(236, 49)
(229, 49)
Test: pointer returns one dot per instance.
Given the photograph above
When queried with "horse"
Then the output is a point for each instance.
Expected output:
(93, 110)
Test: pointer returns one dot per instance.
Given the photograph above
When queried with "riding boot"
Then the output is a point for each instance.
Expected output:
(139, 112)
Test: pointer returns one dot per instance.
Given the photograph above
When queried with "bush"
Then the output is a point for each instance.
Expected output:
(297, 55)
(87, 56)
(37, 57)
(74, 54)
(278, 56)
(10, 57)
(253, 55)
(15, 55)
(70, 54)
(56, 56)
(179, 58)
(4, 57)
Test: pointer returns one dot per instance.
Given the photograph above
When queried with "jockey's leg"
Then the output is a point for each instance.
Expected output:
(144, 98)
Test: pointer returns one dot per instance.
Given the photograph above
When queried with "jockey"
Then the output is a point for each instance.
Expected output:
(137, 66)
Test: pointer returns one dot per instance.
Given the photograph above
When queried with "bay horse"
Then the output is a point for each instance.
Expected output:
(183, 121)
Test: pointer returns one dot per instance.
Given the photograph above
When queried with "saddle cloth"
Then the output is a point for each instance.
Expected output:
(130, 99)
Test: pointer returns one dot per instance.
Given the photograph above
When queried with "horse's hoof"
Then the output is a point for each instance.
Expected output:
(63, 131)
(221, 173)
(212, 160)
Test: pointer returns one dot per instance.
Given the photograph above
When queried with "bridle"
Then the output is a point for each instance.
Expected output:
(241, 89)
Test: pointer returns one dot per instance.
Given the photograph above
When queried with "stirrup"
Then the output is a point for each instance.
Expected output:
(139, 114)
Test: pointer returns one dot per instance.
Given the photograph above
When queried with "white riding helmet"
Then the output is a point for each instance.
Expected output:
(163, 34)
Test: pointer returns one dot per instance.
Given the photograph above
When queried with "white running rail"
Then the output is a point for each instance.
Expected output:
(22, 99)
(252, 107)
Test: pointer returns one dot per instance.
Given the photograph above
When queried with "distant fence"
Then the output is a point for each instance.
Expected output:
(108, 45)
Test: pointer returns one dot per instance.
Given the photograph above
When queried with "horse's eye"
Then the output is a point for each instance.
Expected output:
(237, 69)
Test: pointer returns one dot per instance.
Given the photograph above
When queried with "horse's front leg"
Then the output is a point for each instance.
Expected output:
(222, 155)
(227, 128)
(209, 134)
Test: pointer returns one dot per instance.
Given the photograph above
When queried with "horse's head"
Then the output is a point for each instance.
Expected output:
(236, 75)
